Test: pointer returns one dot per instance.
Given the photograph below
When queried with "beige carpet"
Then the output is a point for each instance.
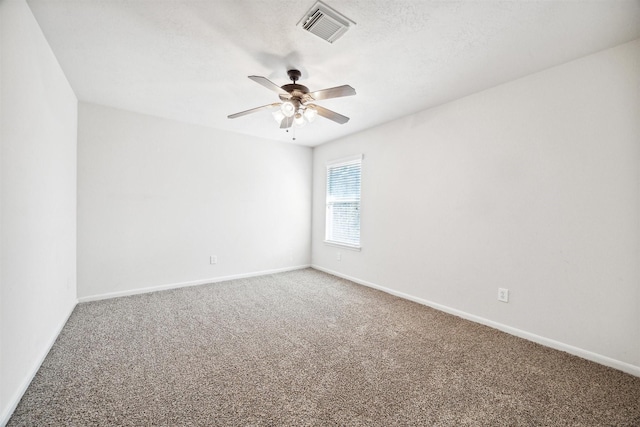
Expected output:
(307, 348)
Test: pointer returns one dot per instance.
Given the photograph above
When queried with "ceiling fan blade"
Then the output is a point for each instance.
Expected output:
(331, 115)
(286, 123)
(334, 92)
(269, 84)
(253, 110)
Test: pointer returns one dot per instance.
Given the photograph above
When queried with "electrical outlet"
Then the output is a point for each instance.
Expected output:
(339, 256)
(213, 259)
(503, 294)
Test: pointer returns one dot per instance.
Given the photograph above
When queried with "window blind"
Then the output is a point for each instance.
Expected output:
(343, 202)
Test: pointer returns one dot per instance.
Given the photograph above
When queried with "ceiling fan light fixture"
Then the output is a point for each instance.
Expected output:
(288, 109)
(298, 119)
(278, 115)
(310, 113)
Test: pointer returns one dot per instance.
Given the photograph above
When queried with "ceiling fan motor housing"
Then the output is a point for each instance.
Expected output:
(295, 91)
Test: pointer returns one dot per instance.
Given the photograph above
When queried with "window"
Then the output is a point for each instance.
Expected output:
(343, 202)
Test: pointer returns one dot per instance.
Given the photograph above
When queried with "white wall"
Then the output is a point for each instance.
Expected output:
(157, 197)
(533, 186)
(38, 200)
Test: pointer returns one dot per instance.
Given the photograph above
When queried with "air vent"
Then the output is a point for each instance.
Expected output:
(325, 22)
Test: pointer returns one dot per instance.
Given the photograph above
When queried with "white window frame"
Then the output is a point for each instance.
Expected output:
(345, 161)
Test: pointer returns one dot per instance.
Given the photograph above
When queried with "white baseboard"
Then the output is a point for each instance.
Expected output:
(576, 351)
(17, 395)
(185, 284)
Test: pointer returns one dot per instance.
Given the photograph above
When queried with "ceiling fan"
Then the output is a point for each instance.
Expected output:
(296, 107)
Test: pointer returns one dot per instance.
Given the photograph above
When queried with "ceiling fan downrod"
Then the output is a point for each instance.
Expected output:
(294, 75)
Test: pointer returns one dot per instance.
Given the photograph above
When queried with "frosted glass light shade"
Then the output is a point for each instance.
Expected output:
(310, 113)
(278, 116)
(288, 109)
(298, 119)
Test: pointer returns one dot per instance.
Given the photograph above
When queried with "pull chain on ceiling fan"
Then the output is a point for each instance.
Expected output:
(295, 108)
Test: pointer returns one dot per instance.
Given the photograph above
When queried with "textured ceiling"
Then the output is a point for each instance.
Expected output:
(189, 59)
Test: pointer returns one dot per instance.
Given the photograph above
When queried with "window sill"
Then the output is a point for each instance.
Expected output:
(343, 245)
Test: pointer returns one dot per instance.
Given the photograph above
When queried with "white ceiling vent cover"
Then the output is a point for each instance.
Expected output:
(325, 22)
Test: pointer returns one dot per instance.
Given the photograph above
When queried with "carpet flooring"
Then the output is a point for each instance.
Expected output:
(305, 348)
